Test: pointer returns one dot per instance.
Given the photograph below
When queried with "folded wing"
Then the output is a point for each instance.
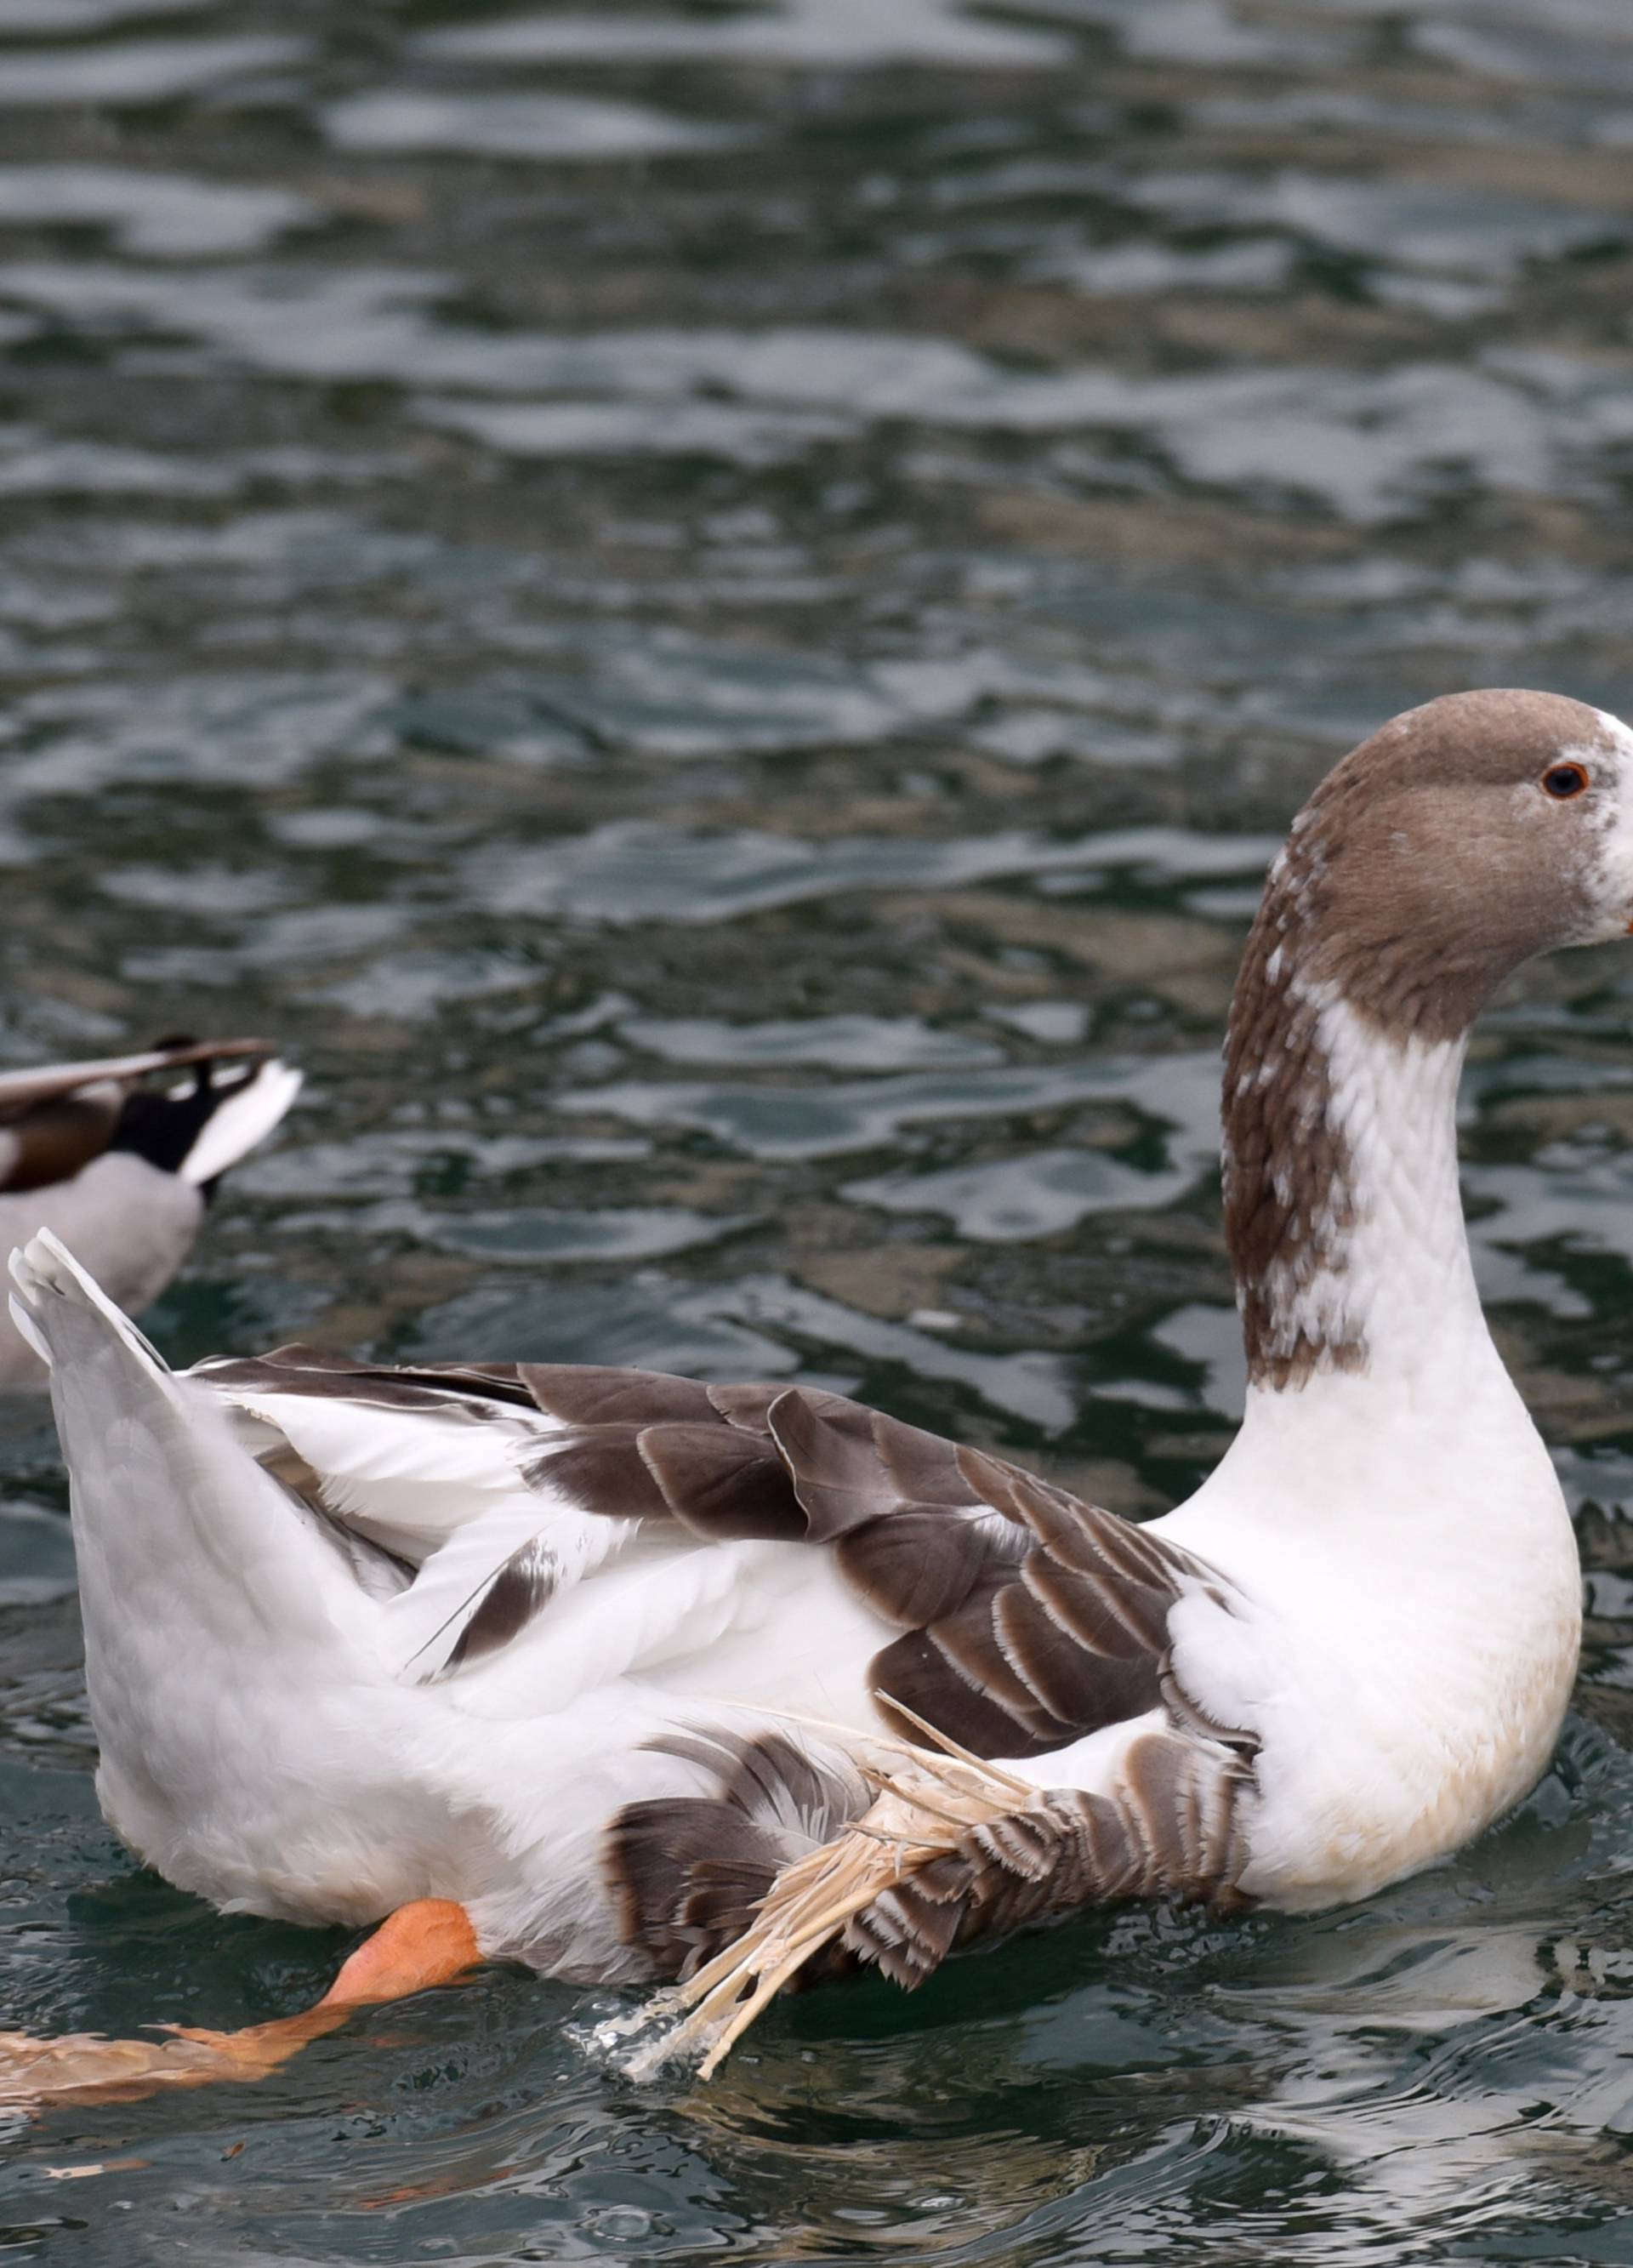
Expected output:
(1001, 1613)
(1013, 1616)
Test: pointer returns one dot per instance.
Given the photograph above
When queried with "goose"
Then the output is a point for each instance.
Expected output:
(122, 1168)
(632, 1677)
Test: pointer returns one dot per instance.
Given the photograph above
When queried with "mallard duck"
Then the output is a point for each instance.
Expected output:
(120, 1159)
(636, 1677)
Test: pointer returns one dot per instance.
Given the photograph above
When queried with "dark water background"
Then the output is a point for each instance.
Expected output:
(712, 616)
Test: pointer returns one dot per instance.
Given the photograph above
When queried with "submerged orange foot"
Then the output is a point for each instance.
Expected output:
(429, 1942)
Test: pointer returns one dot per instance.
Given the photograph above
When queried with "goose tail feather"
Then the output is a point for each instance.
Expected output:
(62, 1311)
(158, 1483)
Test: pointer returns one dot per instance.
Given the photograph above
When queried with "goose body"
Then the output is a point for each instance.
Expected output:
(119, 1165)
(604, 1662)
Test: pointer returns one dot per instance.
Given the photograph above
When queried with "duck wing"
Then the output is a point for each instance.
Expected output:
(118, 1155)
(56, 1119)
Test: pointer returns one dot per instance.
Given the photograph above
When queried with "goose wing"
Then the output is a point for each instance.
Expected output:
(1006, 1612)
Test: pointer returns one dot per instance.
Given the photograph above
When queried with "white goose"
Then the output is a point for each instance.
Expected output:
(120, 1165)
(626, 1677)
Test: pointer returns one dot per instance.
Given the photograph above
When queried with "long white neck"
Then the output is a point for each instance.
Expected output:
(1374, 1386)
(1372, 1380)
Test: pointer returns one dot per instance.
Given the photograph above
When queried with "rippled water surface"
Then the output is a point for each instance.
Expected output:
(712, 613)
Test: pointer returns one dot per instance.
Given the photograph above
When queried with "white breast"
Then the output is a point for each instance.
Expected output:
(1415, 1618)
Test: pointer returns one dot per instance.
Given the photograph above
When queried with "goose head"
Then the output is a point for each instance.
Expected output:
(1461, 839)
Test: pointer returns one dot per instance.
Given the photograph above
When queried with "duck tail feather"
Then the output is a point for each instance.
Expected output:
(246, 1113)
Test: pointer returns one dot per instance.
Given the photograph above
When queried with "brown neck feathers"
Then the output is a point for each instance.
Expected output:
(1426, 867)
(1288, 1203)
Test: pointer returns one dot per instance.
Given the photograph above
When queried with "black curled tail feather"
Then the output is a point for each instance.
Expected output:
(163, 1127)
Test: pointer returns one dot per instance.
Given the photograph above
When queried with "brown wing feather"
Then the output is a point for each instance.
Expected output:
(951, 1849)
(53, 1141)
(1173, 1828)
(721, 1482)
(1026, 1618)
(687, 1872)
(1029, 1619)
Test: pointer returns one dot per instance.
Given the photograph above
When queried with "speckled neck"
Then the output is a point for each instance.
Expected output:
(1341, 1203)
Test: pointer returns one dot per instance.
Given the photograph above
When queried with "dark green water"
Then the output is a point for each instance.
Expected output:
(711, 615)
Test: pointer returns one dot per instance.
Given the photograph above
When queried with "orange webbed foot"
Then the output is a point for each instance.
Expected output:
(429, 1942)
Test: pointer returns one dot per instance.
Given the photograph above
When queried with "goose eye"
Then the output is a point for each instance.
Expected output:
(1562, 781)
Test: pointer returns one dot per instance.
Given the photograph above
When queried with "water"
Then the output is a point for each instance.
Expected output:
(711, 615)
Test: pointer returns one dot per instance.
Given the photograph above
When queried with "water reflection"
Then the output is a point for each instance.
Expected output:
(547, 126)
